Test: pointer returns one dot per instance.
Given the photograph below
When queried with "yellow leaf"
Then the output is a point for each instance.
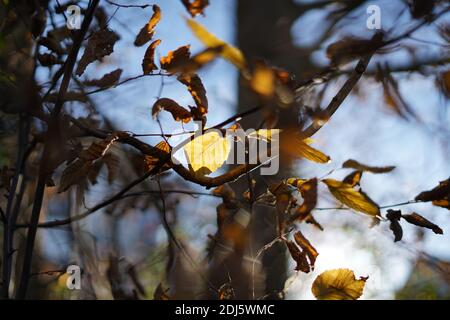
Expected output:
(308, 152)
(338, 284)
(351, 197)
(263, 80)
(230, 53)
(207, 153)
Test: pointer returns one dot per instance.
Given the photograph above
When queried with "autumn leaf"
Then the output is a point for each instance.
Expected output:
(298, 256)
(362, 167)
(306, 246)
(353, 178)
(147, 31)
(178, 112)
(294, 146)
(148, 63)
(394, 217)
(99, 45)
(440, 192)
(108, 80)
(151, 161)
(197, 90)
(79, 169)
(284, 199)
(263, 80)
(354, 199)
(230, 53)
(175, 59)
(207, 153)
(338, 284)
(195, 7)
(308, 190)
(418, 220)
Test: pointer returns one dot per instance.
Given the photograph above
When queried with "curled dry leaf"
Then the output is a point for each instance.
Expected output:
(394, 217)
(284, 200)
(439, 195)
(197, 90)
(108, 80)
(298, 256)
(338, 284)
(175, 59)
(362, 167)
(99, 45)
(230, 53)
(207, 153)
(147, 31)
(151, 161)
(306, 246)
(353, 178)
(178, 112)
(195, 7)
(308, 190)
(148, 63)
(354, 199)
(418, 220)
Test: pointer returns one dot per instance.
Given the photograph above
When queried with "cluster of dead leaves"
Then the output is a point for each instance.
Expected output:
(89, 162)
(303, 253)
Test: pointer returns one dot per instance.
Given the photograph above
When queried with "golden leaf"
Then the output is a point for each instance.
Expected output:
(263, 80)
(197, 91)
(147, 31)
(338, 284)
(207, 153)
(230, 53)
(176, 58)
(351, 197)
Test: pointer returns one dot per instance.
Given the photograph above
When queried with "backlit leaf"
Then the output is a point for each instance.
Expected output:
(148, 63)
(306, 246)
(347, 195)
(230, 53)
(147, 31)
(178, 112)
(263, 80)
(176, 58)
(207, 153)
(353, 178)
(197, 90)
(298, 256)
(338, 284)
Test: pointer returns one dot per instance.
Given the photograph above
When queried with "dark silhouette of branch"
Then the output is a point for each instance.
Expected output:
(44, 165)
